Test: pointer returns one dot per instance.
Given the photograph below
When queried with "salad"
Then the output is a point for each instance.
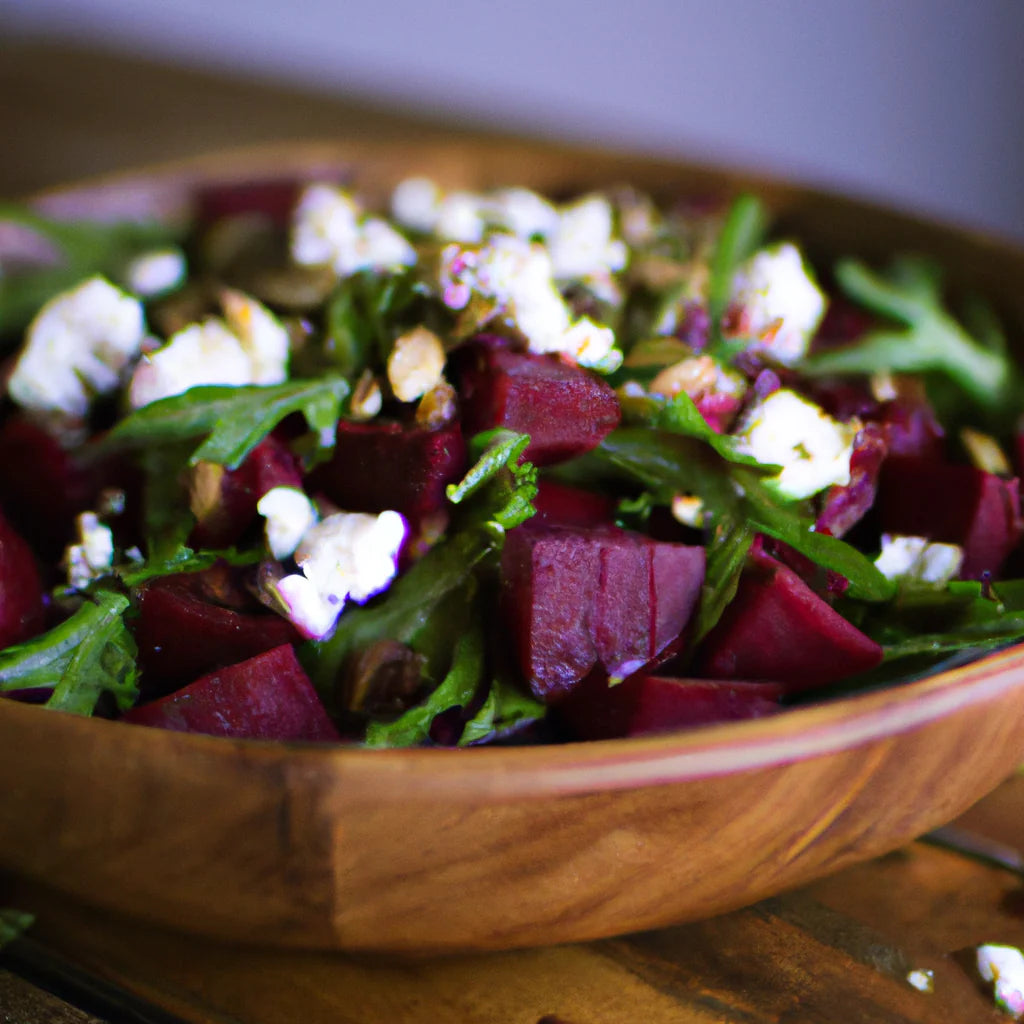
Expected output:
(488, 467)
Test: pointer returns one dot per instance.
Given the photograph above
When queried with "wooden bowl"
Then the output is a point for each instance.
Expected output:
(431, 850)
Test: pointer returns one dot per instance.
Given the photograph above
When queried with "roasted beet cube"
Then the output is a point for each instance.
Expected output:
(561, 505)
(954, 504)
(565, 409)
(646, 704)
(385, 465)
(268, 697)
(181, 633)
(224, 500)
(845, 505)
(273, 198)
(21, 592)
(579, 598)
(777, 629)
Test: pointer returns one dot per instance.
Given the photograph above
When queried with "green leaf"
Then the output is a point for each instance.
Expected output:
(742, 234)
(456, 690)
(182, 560)
(233, 420)
(726, 557)
(669, 464)
(86, 248)
(404, 610)
(89, 654)
(505, 709)
(930, 341)
(13, 923)
(506, 485)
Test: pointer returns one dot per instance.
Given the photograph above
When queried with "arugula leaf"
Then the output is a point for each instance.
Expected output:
(13, 923)
(931, 340)
(457, 689)
(89, 654)
(726, 556)
(742, 233)
(499, 491)
(504, 710)
(507, 485)
(669, 464)
(183, 560)
(233, 420)
(86, 248)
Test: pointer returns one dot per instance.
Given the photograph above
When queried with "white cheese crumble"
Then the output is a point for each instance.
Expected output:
(1004, 967)
(249, 347)
(416, 364)
(329, 229)
(787, 430)
(78, 346)
(290, 515)
(347, 556)
(155, 273)
(93, 555)
(414, 204)
(919, 560)
(515, 277)
(583, 245)
(523, 212)
(779, 300)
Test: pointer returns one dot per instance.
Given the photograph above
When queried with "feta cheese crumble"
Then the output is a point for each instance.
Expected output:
(250, 346)
(787, 430)
(922, 980)
(583, 245)
(347, 556)
(93, 555)
(290, 516)
(78, 346)
(779, 301)
(155, 273)
(329, 229)
(1004, 967)
(514, 279)
(919, 560)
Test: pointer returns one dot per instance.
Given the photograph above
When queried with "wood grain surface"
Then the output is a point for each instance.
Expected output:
(838, 950)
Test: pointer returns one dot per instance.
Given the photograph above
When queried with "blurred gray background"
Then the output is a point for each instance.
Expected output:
(915, 102)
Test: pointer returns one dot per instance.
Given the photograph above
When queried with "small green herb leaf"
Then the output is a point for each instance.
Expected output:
(233, 420)
(506, 485)
(505, 709)
(13, 923)
(727, 554)
(89, 654)
(742, 233)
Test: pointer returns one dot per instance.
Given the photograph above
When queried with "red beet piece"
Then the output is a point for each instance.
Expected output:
(181, 634)
(273, 199)
(225, 514)
(954, 504)
(21, 592)
(42, 487)
(385, 465)
(565, 409)
(777, 629)
(646, 704)
(844, 506)
(576, 598)
(268, 697)
(560, 505)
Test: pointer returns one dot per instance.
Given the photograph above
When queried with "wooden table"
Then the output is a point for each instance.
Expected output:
(837, 950)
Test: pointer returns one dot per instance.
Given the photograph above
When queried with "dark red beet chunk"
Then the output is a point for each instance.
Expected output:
(21, 592)
(954, 504)
(643, 705)
(225, 515)
(385, 465)
(844, 506)
(273, 199)
(777, 629)
(566, 410)
(268, 697)
(560, 505)
(182, 635)
(578, 598)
